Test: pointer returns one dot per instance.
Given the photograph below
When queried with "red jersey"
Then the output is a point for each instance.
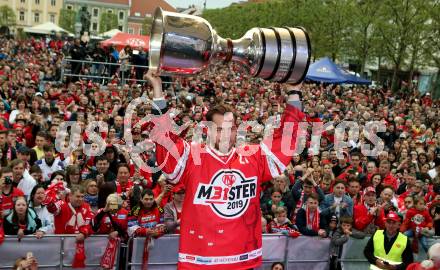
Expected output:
(221, 218)
(143, 219)
(104, 220)
(70, 220)
(8, 200)
(416, 218)
(123, 189)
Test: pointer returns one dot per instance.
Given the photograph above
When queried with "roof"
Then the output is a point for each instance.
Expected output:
(148, 7)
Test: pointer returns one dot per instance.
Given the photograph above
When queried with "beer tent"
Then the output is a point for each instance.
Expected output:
(120, 40)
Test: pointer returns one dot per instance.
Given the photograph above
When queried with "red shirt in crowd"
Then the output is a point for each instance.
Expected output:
(8, 199)
(120, 218)
(70, 220)
(416, 218)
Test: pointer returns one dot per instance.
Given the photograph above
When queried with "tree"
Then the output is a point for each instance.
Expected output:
(7, 16)
(108, 21)
(399, 26)
(432, 45)
(67, 19)
(146, 25)
(363, 33)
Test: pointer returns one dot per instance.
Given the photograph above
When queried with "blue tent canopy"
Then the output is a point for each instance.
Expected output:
(324, 70)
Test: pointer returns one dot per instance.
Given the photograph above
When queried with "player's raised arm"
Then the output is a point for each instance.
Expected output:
(275, 149)
(172, 152)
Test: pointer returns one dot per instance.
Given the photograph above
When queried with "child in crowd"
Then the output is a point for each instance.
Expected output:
(281, 224)
(418, 223)
(340, 237)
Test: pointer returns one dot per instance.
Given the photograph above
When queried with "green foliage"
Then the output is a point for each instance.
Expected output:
(67, 19)
(107, 22)
(397, 32)
(7, 16)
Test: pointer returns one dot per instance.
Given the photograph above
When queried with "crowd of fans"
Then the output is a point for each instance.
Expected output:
(318, 195)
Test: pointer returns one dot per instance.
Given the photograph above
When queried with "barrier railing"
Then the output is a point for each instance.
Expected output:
(352, 256)
(102, 68)
(296, 253)
(57, 252)
(53, 251)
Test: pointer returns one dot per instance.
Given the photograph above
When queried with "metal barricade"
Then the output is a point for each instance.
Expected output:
(53, 251)
(296, 253)
(65, 72)
(352, 256)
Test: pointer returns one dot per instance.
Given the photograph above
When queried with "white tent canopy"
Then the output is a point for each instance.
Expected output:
(110, 33)
(45, 29)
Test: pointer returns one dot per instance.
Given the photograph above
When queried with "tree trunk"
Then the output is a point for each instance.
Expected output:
(411, 66)
(378, 69)
(394, 79)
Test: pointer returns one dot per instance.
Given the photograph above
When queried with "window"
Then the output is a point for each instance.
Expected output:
(95, 12)
(52, 18)
(37, 17)
(121, 28)
(69, 7)
(95, 26)
(37, 2)
(121, 15)
(130, 31)
(137, 14)
(110, 11)
(21, 15)
(23, 1)
(53, 2)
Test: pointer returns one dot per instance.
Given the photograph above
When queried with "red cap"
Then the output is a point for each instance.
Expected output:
(369, 190)
(393, 216)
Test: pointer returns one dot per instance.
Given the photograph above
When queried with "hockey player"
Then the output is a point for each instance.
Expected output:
(221, 217)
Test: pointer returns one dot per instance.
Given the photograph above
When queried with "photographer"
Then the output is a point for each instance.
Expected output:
(140, 58)
(124, 58)
(9, 192)
(78, 53)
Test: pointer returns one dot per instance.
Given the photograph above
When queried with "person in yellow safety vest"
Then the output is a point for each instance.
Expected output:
(389, 249)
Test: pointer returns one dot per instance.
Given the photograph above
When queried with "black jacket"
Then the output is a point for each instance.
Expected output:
(33, 223)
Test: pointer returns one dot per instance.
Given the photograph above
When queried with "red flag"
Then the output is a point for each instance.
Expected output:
(80, 256)
(145, 254)
(108, 259)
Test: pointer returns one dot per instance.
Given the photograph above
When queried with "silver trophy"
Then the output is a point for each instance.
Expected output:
(183, 44)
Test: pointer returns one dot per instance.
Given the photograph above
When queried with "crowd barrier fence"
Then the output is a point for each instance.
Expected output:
(67, 72)
(297, 253)
(311, 253)
(53, 251)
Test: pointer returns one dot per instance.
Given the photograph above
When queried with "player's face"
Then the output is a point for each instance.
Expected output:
(226, 132)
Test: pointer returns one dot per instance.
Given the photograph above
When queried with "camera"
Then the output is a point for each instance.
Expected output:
(8, 180)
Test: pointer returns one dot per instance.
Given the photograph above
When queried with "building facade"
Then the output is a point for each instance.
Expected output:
(140, 9)
(34, 12)
(97, 7)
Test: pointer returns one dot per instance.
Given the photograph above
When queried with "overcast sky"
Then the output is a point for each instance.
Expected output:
(209, 3)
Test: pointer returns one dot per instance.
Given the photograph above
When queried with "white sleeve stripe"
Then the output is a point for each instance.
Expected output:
(180, 167)
(272, 167)
(270, 155)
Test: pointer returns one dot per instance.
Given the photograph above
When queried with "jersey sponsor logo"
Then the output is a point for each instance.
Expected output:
(228, 194)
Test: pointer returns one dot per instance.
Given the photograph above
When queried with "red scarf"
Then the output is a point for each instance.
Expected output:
(145, 253)
(80, 256)
(2, 232)
(314, 223)
(109, 256)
